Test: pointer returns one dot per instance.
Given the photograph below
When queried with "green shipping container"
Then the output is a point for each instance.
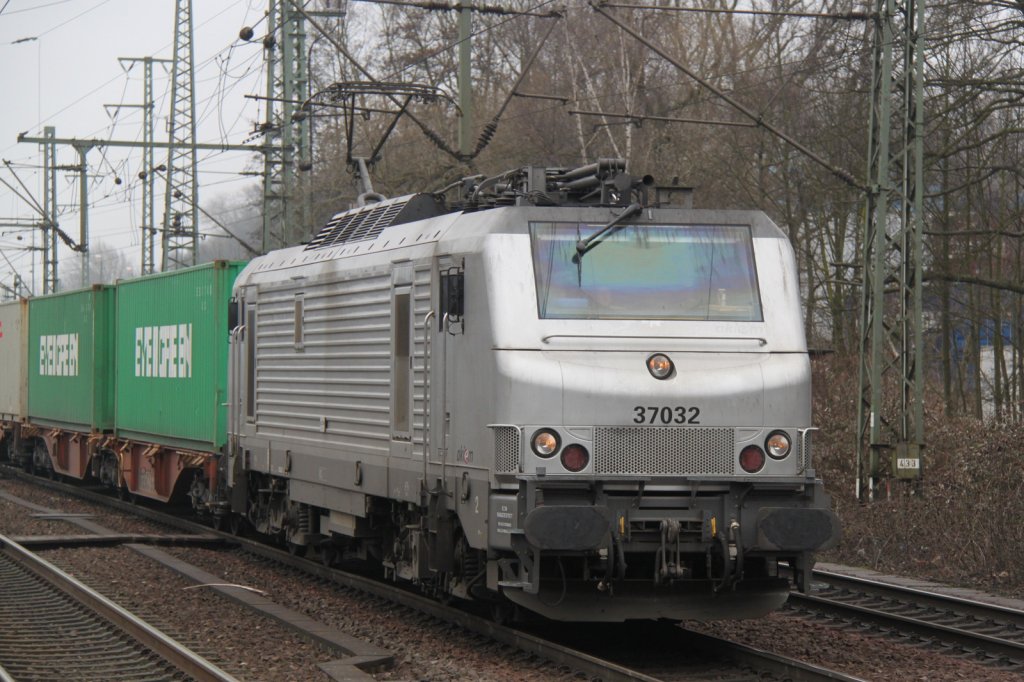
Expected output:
(70, 359)
(172, 356)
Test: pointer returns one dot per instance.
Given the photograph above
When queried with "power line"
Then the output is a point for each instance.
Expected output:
(753, 116)
(849, 16)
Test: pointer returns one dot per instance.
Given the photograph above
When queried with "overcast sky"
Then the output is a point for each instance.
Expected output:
(59, 67)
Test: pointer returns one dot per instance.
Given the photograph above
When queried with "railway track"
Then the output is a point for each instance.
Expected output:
(990, 633)
(54, 627)
(672, 653)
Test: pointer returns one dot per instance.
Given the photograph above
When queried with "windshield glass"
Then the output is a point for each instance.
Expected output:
(640, 272)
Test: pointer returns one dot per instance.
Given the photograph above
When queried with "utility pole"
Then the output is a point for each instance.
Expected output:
(83, 210)
(181, 197)
(890, 413)
(465, 80)
(82, 146)
(147, 174)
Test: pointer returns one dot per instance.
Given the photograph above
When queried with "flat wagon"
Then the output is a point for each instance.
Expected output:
(70, 379)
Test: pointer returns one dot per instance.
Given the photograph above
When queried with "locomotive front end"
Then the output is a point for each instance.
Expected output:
(653, 432)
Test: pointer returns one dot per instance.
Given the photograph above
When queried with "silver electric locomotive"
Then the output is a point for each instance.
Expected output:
(561, 389)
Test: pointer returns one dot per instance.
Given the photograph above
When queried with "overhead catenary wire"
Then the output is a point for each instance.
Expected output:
(229, 76)
(630, 118)
(455, 7)
(489, 130)
(848, 16)
(843, 175)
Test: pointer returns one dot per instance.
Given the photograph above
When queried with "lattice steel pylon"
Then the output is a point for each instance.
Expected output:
(50, 281)
(890, 412)
(181, 198)
(148, 173)
(286, 129)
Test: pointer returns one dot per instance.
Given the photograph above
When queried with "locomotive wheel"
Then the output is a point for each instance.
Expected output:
(295, 549)
(236, 525)
(218, 522)
(328, 555)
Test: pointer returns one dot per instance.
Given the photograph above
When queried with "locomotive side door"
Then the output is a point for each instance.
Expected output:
(402, 356)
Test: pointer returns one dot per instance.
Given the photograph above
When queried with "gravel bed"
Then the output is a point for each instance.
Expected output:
(17, 520)
(852, 652)
(108, 518)
(424, 648)
(246, 644)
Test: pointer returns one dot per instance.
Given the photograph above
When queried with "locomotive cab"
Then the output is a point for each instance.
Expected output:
(651, 415)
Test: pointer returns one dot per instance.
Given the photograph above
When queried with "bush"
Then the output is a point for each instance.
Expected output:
(957, 525)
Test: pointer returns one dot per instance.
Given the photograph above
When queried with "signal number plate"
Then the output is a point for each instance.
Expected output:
(666, 415)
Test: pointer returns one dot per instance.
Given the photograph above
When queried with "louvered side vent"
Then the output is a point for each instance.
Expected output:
(506, 449)
(369, 221)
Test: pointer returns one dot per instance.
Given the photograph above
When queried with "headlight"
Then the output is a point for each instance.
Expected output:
(752, 459)
(777, 444)
(545, 443)
(659, 366)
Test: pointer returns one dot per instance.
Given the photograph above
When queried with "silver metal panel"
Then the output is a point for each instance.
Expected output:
(328, 497)
(13, 386)
(335, 388)
(503, 520)
(655, 450)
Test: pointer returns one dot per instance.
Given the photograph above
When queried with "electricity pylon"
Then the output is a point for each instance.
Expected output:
(181, 197)
(286, 128)
(147, 175)
(890, 413)
(49, 146)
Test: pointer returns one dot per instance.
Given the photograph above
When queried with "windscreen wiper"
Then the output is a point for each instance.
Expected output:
(584, 245)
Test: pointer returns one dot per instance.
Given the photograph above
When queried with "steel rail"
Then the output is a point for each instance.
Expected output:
(922, 596)
(989, 616)
(594, 667)
(764, 661)
(173, 652)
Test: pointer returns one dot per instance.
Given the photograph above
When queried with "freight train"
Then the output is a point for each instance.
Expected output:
(559, 390)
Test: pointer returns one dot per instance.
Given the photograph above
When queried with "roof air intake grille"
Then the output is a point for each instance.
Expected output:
(368, 222)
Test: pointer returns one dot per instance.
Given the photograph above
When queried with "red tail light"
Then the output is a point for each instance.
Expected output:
(575, 457)
(752, 459)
